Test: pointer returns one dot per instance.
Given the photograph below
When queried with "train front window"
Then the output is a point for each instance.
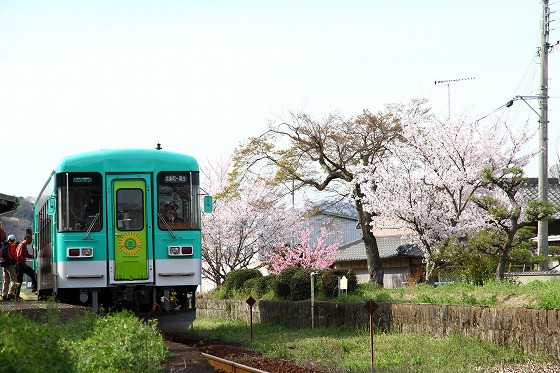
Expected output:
(177, 194)
(130, 209)
(80, 206)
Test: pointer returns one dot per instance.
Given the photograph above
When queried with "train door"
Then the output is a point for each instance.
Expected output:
(130, 259)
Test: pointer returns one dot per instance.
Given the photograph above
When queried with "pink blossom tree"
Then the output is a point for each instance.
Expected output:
(428, 181)
(303, 253)
(246, 221)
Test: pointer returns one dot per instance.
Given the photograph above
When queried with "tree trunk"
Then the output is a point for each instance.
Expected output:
(502, 264)
(375, 268)
(505, 252)
(429, 275)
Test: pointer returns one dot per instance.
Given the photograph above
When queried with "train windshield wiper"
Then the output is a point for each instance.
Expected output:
(166, 225)
(91, 226)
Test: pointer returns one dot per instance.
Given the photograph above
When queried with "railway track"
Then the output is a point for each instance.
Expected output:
(228, 366)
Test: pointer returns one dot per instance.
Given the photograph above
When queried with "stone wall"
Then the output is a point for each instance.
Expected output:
(529, 329)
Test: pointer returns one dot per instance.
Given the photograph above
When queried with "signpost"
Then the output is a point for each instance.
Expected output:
(251, 301)
(371, 306)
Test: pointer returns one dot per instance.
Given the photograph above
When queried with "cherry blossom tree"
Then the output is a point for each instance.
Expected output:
(429, 180)
(246, 221)
(302, 254)
(323, 155)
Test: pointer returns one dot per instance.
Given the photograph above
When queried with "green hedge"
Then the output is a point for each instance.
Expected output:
(330, 281)
(300, 284)
(282, 285)
(236, 279)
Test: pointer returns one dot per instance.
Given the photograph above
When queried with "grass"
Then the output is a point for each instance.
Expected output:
(336, 349)
(120, 343)
(536, 294)
(342, 350)
(111, 343)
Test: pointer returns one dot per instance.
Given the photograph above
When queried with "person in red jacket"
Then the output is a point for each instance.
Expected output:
(22, 267)
(2, 233)
(9, 270)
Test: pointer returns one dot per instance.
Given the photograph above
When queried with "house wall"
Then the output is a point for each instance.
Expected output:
(397, 270)
(343, 229)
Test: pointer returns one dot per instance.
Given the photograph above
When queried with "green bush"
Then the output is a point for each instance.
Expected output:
(118, 343)
(330, 281)
(300, 284)
(282, 284)
(236, 278)
(26, 346)
(480, 270)
(261, 285)
(219, 292)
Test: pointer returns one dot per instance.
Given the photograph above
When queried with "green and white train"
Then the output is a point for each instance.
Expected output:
(122, 229)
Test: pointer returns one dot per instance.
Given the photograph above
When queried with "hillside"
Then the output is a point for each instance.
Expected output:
(16, 222)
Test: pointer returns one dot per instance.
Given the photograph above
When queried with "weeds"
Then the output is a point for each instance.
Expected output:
(337, 349)
(89, 343)
(25, 345)
(493, 293)
(340, 350)
(536, 294)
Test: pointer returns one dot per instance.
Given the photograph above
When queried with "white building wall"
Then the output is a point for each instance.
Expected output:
(342, 229)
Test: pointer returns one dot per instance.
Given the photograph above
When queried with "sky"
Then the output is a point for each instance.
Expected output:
(201, 77)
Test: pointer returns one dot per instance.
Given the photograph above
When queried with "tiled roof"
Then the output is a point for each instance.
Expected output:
(389, 247)
(534, 273)
(531, 191)
(336, 208)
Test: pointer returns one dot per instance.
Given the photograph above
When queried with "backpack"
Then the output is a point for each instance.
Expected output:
(5, 257)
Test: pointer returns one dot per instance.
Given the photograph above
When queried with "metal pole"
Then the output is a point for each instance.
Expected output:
(251, 321)
(293, 193)
(312, 300)
(448, 102)
(542, 232)
(371, 337)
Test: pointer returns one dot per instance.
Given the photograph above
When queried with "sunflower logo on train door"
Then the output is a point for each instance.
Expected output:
(130, 244)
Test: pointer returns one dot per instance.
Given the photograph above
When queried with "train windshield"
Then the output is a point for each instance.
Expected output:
(80, 205)
(177, 194)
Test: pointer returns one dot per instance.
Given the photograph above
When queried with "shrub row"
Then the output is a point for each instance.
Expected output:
(293, 283)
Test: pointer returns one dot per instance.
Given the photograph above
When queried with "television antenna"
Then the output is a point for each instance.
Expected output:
(448, 83)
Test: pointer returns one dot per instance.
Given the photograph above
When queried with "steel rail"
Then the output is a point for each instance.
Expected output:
(229, 366)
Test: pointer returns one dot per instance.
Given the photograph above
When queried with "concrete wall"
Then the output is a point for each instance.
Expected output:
(529, 329)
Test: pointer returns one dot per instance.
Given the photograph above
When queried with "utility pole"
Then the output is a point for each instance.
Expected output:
(544, 48)
(542, 228)
(448, 82)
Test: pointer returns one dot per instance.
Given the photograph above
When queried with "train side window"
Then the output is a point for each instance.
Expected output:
(80, 202)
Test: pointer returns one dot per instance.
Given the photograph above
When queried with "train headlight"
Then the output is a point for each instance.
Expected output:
(80, 252)
(180, 250)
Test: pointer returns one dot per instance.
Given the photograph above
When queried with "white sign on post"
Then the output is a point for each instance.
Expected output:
(342, 285)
